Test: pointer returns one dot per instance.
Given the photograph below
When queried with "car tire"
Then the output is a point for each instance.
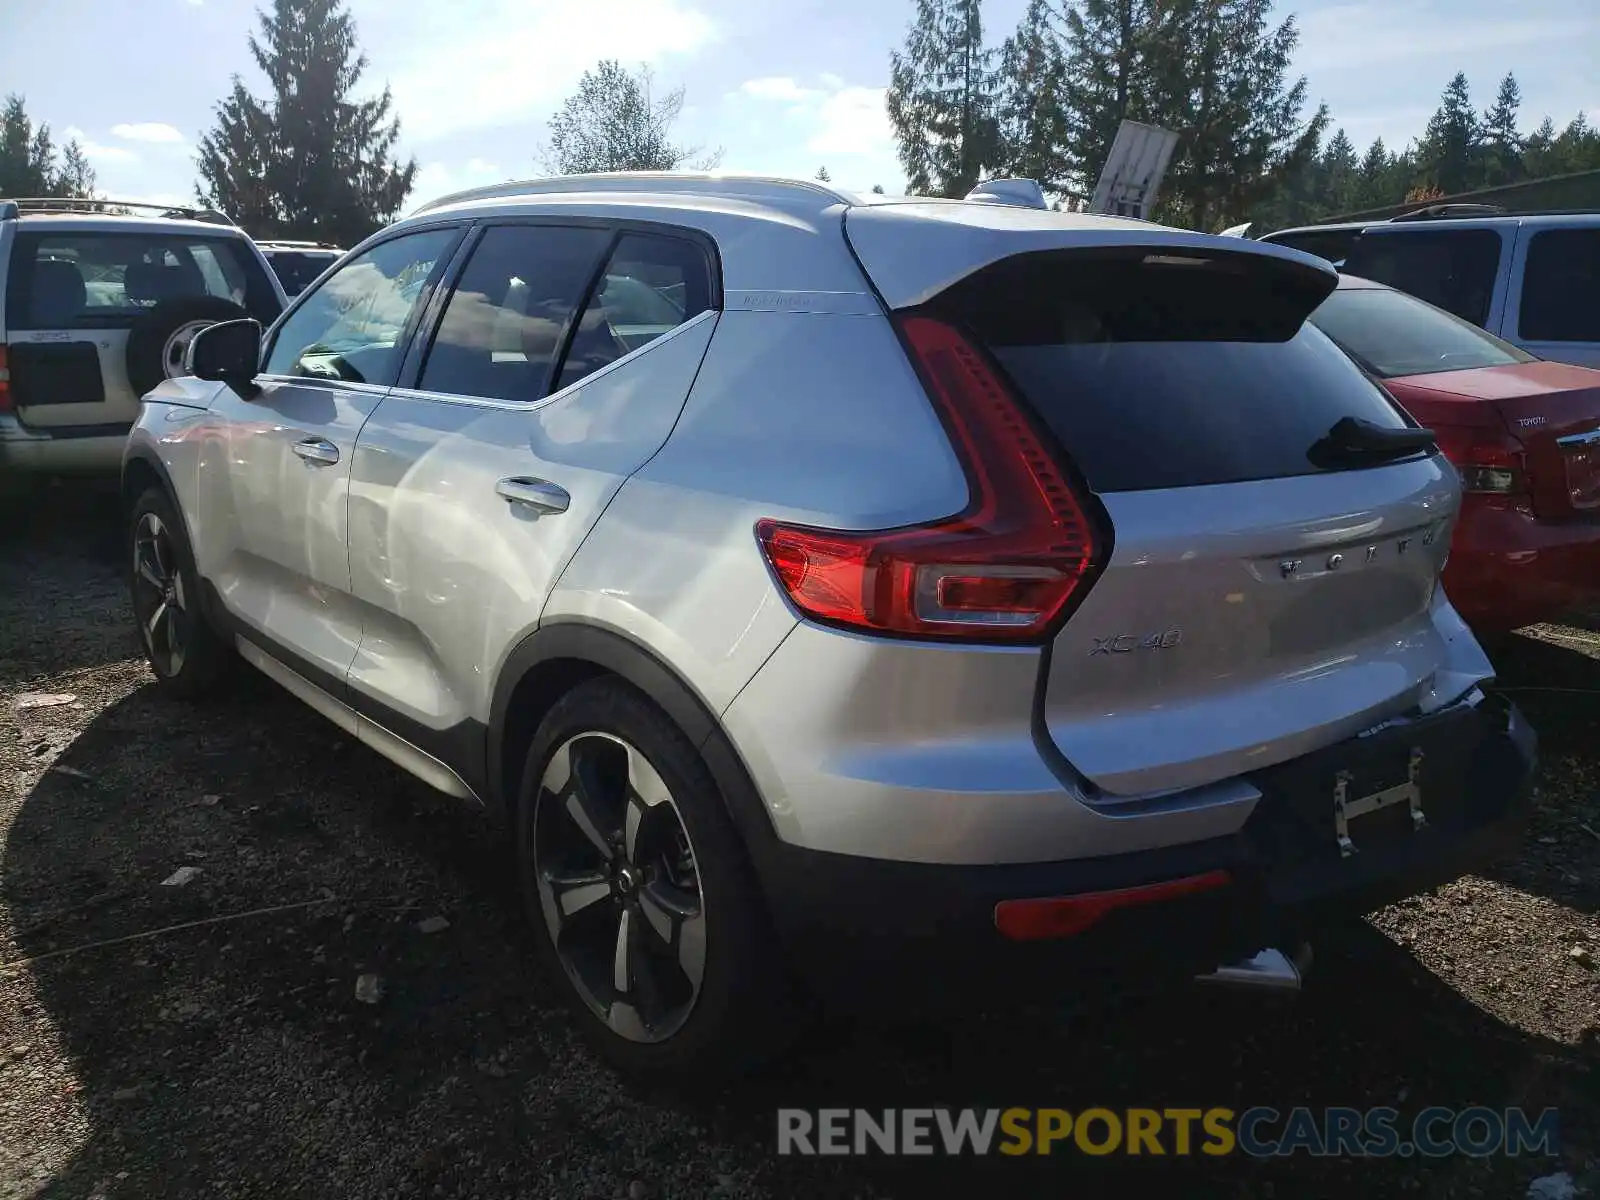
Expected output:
(598, 737)
(185, 653)
(157, 340)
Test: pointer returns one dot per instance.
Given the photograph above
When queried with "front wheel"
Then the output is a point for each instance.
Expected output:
(184, 652)
(643, 901)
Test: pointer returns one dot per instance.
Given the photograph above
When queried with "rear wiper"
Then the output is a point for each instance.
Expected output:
(1353, 441)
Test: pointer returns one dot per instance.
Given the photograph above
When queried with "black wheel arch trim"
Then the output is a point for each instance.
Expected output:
(619, 655)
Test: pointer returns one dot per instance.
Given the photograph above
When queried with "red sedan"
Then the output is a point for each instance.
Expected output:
(1524, 435)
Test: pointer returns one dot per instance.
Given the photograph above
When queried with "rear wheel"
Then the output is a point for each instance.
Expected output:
(642, 900)
(184, 652)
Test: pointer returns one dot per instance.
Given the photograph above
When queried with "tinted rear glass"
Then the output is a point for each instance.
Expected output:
(83, 280)
(297, 269)
(1332, 245)
(1164, 377)
(1393, 334)
(1454, 269)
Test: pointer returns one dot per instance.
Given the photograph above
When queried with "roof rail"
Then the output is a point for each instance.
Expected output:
(293, 244)
(109, 207)
(1436, 212)
(689, 183)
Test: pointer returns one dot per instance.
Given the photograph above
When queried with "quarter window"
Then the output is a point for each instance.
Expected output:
(1561, 287)
(506, 319)
(350, 328)
(1452, 269)
(651, 285)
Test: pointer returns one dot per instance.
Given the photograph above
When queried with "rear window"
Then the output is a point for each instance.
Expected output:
(298, 269)
(1332, 245)
(1453, 269)
(1163, 376)
(70, 280)
(1561, 287)
(1391, 334)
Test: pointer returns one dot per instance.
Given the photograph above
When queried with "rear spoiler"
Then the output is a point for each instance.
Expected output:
(912, 252)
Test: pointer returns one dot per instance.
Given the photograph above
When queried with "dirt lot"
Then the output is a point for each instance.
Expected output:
(233, 1058)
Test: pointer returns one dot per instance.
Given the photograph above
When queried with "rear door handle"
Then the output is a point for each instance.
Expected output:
(317, 450)
(538, 494)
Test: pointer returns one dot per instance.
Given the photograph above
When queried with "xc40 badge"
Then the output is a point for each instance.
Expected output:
(1127, 643)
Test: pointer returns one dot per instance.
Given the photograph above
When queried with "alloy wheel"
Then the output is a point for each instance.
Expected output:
(177, 345)
(159, 601)
(618, 886)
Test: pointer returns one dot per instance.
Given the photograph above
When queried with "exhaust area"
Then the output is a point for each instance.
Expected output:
(1271, 970)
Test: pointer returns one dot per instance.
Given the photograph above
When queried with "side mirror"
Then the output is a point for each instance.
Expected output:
(229, 352)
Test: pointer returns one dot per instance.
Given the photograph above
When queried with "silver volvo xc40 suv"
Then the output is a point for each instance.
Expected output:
(885, 596)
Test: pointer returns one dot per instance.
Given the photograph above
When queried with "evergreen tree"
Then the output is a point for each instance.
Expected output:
(326, 160)
(614, 122)
(1451, 153)
(1502, 142)
(1578, 147)
(1221, 81)
(1341, 176)
(1372, 177)
(941, 99)
(1031, 119)
(823, 176)
(29, 164)
(877, 189)
(1106, 79)
(1538, 152)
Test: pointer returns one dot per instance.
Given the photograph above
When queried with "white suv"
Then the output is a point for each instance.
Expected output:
(98, 307)
(908, 595)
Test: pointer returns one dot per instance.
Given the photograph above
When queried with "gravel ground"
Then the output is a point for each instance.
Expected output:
(234, 1059)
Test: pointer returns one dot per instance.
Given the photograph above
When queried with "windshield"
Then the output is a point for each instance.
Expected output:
(1393, 334)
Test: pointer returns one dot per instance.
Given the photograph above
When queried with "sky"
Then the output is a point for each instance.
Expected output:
(779, 86)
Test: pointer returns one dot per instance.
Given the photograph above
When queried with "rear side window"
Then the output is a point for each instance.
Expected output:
(1332, 245)
(651, 285)
(503, 326)
(1393, 334)
(68, 280)
(1452, 269)
(1156, 375)
(1561, 287)
(297, 270)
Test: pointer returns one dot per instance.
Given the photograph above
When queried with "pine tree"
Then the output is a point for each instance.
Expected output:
(1221, 82)
(312, 161)
(1031, 119)
(1538, 152)
(1578, 147)
(1502, 142)
(1451, 153)
(29, 164)
(823, 176)
(877, 189)
(941, 99)
(615, 122)
(1341, 176)
(1106, 80)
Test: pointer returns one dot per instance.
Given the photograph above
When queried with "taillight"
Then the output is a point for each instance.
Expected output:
(1008, 568)
(5, 381)
(1489, 462)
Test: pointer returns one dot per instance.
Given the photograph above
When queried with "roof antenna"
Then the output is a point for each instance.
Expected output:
(1019, 193)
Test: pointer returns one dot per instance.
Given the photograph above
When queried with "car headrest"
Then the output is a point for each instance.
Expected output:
(58, 292)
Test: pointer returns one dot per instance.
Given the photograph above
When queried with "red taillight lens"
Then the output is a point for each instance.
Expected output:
(5, 381)
(1007, 568)
(1489, 462)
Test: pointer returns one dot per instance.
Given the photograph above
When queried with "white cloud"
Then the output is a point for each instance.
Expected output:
(147, 131)
(777, 87)
(483, 63)
(852, 120)
(97, 152)
(435, 179)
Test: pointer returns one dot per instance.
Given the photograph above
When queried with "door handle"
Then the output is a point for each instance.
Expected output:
(538, 494)
(317, 450)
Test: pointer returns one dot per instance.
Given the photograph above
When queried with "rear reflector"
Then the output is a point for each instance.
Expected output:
(1488, 461)
(1008, 568)
(1063, 916)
